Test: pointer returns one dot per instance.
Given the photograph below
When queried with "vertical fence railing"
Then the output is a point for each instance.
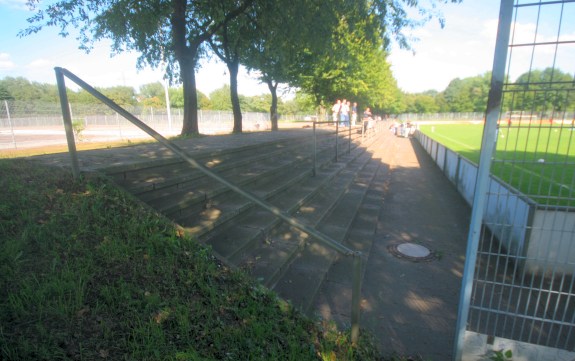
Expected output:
(336, 246)
(336, 147)
(518, 284)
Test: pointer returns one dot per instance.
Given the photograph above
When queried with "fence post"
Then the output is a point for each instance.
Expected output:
(314, 150)
(10, 124)
(482, 180)
(349, 139)
(67, 122)
(355, 297)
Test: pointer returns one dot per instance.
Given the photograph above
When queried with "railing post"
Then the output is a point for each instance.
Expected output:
(349, 139)
(67, 117)
(355, 297)
(336, 139)
(314, 149)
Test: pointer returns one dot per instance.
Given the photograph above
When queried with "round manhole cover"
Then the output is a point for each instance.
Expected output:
(411, 251)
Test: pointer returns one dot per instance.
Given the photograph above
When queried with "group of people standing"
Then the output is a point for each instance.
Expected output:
(344, 112)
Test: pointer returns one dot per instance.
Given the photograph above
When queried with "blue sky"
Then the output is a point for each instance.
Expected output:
(463, 48)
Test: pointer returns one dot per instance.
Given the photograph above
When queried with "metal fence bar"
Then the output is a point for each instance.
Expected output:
(336, 140)
(314, 150)
(349, 139)
(67, 122)
(60, 72)
(10, 123)
(489, 137)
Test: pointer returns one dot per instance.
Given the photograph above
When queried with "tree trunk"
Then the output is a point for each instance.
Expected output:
(233, 67)
(274, 106)
(186, 58)
(190, 121)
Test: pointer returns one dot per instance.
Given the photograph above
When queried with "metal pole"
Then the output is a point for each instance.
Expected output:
(336, 138)
(355, 297)
(67, 122)
(314, 150)
(349, 140)
(10, 123)
(482, 182)
(167, 95)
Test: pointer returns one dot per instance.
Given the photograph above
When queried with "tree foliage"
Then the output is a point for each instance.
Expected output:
(328, 48)
(22, 89)
(172, 32)
(542, 91)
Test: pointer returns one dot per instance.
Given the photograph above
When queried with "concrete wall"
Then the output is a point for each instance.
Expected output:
(552, 244)
(545, 239)
(478, 347)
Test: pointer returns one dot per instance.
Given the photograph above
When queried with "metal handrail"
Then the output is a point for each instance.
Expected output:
(61, 72)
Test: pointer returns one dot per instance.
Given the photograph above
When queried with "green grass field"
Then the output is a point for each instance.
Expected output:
(538, 160)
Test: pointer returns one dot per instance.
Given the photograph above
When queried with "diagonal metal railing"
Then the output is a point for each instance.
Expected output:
(343, 250)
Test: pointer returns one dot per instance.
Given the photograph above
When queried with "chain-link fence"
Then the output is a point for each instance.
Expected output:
(35, 124)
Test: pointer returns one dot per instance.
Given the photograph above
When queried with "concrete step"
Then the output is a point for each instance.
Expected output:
(314, 261)
(333, 299)
(153, 176)
(248, 237)
(203, 207)
(188, 187)
(256, 226)
(258, 223)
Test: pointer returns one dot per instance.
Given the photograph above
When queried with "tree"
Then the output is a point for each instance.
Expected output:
(468, 94)
(4, 93)
(287, 38)
(22, 89)
(121, 95)
(354, 66)
(153, 95)
(220, 99)
(257, 103)
(228, 44)
(543, 91)
(173, 32)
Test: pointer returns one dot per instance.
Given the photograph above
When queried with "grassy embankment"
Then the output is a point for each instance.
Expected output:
(88, 273)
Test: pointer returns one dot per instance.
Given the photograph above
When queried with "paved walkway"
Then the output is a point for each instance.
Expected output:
(411, 307)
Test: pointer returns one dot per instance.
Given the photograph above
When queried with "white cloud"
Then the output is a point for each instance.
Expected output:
(14, 4)
(445, 54)
(39, 64)
(463, 48)
(6, 62)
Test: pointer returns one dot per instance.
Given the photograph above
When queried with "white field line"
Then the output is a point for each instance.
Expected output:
(455, 141)
(561, 185)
